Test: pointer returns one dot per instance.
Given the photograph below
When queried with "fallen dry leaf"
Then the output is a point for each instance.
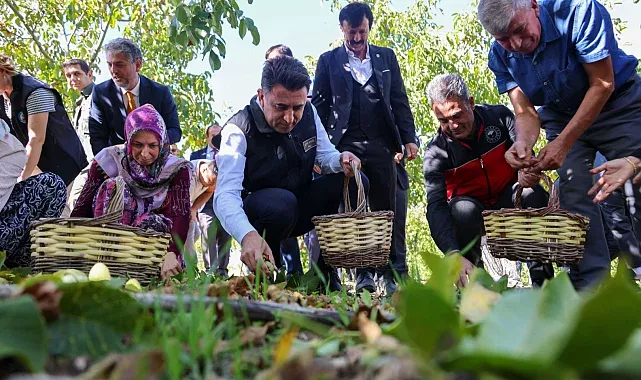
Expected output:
(370, 331)
(47, 297)
(255, 335)
(284, 345)
(149, 365)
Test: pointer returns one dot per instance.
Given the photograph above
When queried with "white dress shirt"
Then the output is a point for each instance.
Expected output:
(228, 204)
(135, 91)
(361, 70)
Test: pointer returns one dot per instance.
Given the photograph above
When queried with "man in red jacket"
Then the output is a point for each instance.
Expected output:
(466, 172)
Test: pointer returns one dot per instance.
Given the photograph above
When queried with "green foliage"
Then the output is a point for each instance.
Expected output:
(22, 332)
(170, 34)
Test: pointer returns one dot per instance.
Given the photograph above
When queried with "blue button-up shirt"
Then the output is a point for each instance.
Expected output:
(573, 32)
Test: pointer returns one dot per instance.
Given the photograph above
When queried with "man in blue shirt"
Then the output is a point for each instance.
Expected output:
(562, 55)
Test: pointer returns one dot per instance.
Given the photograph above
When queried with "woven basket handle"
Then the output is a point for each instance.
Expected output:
(361, 191)
(553, 203)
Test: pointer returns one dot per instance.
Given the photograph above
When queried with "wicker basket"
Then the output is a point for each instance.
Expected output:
(79, 243)
(355, 239)
(546, 234)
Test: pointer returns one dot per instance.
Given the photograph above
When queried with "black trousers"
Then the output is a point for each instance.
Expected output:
(278, 213)
(377, 159)
(468, 224)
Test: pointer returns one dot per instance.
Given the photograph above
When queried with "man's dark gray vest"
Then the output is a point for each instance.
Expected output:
(367, 116)
(60, 137)
(276, 160)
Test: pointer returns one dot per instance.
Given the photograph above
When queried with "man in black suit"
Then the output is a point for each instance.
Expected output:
(361, 100)
(113, 99)
(215, 241)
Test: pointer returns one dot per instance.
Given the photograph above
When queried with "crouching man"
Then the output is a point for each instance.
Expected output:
(265, 192)
(466, 172)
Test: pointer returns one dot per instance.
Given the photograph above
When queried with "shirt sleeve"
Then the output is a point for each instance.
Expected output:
(327, 157)
(228, 204)
(504, 80)
(41, 100)
(439, 217)
(593, 33)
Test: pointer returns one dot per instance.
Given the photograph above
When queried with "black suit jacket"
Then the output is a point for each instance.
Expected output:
(108, 113)
(198, 155)
(333, 89)
(402, 175)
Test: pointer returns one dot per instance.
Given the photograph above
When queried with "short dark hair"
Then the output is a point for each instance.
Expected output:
(282, 50)
(210, 127)
(354, 12)
(286, 71)
(75, 61)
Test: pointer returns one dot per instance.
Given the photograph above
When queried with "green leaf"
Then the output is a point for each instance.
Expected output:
(617, 305)
(445, 272)
(242, 28)
(23, 335)
(214, 61)
(72, 337)
(182, 14)
(3, 257)
(524, 333)
(625, 361)
(428, 320)
(102, 304)
(477, 302)
(366, 297)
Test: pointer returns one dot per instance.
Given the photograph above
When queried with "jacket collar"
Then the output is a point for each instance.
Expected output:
(259, 116)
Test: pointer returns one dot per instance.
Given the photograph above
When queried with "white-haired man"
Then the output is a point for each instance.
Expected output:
(466, 172)
(562, 55)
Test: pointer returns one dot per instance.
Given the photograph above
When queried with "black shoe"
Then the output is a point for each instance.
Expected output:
(334, 281)
(365, 280)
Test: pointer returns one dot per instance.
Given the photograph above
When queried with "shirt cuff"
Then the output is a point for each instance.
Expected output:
(637, 270)
(335, 163)
(242, 229)
(505, 86)
(594, 57)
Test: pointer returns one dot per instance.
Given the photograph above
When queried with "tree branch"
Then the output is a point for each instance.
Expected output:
(74, 30)
(31, 32)
(102, 40)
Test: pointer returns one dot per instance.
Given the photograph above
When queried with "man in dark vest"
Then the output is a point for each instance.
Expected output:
(265, 192)
(361, 100)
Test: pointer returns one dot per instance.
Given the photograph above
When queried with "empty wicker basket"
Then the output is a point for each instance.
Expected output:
(79, 243)
(355, 239)
(546, 234)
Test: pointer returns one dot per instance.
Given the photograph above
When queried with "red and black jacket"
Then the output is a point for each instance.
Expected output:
(474, 168)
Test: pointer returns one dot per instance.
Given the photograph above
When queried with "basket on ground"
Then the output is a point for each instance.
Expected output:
(79, 243)
(356, 238)
(546, 234)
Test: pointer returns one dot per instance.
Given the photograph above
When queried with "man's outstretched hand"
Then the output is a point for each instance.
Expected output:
(255, 253)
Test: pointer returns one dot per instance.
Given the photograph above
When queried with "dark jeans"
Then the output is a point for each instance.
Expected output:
(616, 133)
(468, 224)
(377, 158)
(278, 213)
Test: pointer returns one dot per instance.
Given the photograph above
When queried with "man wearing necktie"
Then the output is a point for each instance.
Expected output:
(361, 101)
(127, 90)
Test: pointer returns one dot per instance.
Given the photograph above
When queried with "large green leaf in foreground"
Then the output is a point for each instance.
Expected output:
(524, 333)
(22, 332)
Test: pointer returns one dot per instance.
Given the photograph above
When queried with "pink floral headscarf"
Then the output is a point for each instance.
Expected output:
(148, 183)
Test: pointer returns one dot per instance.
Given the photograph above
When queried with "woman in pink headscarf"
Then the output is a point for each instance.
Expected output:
(144, 179)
